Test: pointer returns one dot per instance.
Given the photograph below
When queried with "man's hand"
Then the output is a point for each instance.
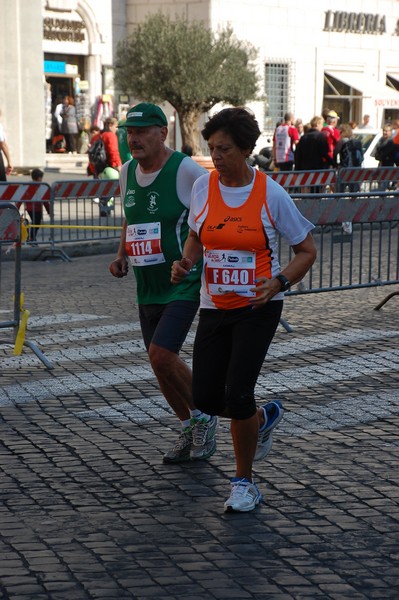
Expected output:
(119, 267)
(180, 269)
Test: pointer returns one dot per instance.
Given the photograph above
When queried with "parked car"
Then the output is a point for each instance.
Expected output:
(369, 139)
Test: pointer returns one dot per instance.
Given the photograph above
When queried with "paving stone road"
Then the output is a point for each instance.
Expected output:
(88, 510)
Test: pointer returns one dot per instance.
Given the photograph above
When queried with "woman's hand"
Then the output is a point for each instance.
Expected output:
(265, 290)
(180, 269)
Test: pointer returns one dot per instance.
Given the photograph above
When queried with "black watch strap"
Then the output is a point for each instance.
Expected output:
(285, 284)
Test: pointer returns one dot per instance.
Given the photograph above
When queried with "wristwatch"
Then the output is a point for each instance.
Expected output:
(285, 284)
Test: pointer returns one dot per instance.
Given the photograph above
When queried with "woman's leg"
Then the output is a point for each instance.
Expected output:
(252, 334)
(211, 355)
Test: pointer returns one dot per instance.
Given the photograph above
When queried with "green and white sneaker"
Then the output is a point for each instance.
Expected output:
(204, 438)
(181, 450)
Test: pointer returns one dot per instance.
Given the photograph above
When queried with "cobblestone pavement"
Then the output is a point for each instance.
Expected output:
(88, 510)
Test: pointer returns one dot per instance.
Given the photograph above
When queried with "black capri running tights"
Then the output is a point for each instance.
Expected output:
(229, 349)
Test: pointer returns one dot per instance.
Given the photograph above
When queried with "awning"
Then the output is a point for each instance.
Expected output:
(394, 76)
(382, 95)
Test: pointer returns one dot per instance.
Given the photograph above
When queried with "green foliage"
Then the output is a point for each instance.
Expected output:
(188, 65)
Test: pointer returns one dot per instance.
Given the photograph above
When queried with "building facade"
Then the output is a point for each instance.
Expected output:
(309, 56)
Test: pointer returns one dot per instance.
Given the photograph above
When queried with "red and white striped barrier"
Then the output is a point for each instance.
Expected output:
(25, 192)
(297, 179)
(96, 188)
(360, 175)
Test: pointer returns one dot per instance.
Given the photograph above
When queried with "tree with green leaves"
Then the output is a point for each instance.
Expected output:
(188, 65)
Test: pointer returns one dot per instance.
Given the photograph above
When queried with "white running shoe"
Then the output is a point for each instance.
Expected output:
(244, 496)
(204, 438)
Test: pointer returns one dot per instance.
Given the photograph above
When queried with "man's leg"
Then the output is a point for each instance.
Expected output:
(174, 378)
(164, 330)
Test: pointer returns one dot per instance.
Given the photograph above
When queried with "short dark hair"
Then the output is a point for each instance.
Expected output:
(239, 123)
(187, 149)
(37, 174)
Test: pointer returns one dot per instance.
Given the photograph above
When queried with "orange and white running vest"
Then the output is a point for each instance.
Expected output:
(236, 247)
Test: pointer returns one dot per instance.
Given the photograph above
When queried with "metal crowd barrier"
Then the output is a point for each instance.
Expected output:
(356, 233)
(357, 238)
(367, 179)
(10, 233)
(351, 179)
(79, 211)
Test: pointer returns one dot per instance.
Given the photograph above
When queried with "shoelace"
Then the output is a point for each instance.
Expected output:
(182, 440)
(239, 489)
(199, 432)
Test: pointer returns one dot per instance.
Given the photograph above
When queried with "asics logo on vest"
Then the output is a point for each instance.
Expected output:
(233, 219)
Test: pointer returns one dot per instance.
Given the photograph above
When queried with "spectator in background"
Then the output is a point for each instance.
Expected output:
(57, 116)
(285, 139)
(35, 209)
(69, 126)
(331, 132)
(348, 153)
(110, 140)
(353, 124)
(94, 134)
(299, 127)
(311, 153)
(4, 171)
(366, 122)
(384, 150)
(84, 136)
(186, 149)
(324, 114)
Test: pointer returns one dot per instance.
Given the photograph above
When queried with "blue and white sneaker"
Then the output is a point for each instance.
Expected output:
(244, 495)
(274, 412)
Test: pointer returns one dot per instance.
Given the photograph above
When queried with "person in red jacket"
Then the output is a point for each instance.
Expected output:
(110, 140)
(331, 131)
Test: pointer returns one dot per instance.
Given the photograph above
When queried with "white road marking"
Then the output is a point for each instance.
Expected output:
(277, 349)
(61, 318)
(335, 415)
(286, 380)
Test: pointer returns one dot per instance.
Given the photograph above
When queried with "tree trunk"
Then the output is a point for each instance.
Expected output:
(189, 129)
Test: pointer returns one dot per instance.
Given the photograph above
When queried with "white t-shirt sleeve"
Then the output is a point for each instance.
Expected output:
(199, 196)
(188, 172)
(123, 179)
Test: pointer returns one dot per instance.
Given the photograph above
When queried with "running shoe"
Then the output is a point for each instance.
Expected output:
(274, 412)
(244, 496)
(181, 450)
(204, 438)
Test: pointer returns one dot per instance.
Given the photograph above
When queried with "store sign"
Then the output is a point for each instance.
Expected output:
(54, 66)
(63, 30)
(346, 22)
(386, 102)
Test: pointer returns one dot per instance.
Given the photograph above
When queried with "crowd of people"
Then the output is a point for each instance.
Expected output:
(324, 143)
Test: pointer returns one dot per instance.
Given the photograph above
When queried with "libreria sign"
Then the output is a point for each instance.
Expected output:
(350, 22)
